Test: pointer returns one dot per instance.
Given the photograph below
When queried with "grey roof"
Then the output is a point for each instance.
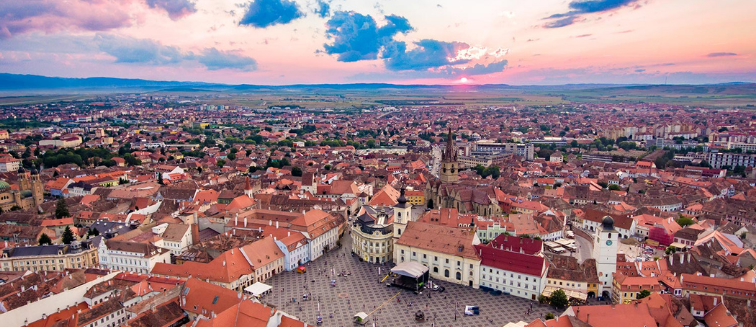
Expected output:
(29, 251)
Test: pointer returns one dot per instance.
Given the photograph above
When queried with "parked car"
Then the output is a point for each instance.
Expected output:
(472, 310)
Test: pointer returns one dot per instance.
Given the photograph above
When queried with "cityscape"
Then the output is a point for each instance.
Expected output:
(286, 163)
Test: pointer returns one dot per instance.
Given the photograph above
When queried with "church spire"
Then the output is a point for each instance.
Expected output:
(450, 154)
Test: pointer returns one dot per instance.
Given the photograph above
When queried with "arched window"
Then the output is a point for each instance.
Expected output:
(459, 275)
(435, 270)
(400, 231)
(446, 273)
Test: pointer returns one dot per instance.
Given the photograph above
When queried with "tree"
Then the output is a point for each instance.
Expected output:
(44, 239)
(643, 293)
(327, 167)
(549, 316)
(68, 236)
(61, 209)
(93, 232)
(559, 299)
(614, 187)
(684, 221)
(296, 171)
(220, 163)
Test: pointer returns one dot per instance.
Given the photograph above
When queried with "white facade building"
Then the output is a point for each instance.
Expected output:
(131, 256)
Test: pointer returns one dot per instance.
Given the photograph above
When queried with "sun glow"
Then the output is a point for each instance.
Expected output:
(463, 80)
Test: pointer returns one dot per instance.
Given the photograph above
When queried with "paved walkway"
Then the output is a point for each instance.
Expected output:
(362, 291)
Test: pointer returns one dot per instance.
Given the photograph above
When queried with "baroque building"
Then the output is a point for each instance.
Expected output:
(30, 192)
(376, 228)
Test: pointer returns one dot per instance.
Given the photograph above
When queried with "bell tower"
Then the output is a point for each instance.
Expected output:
(402, 215)
(449, 165)
(605, 244)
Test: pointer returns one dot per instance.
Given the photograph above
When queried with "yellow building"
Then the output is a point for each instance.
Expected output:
(49, 257)
(626, 288)
(415, 197)
(30, 192)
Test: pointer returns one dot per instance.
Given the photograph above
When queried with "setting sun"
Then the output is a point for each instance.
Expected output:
(463, 80)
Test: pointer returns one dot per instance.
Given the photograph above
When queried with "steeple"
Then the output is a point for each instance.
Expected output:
(449, 166)
(449, 153)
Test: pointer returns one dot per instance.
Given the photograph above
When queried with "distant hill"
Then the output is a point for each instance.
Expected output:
(32, 83)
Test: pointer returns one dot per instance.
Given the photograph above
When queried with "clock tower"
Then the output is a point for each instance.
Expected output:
(605, 252)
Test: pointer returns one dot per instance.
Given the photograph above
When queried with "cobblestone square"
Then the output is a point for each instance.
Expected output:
(387, 306)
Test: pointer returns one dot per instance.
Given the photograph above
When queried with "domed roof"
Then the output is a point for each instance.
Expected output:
(4, 185)
(608, 223)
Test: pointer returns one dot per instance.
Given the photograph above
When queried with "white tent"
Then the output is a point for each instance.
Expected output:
(257, 288)
(410, 269)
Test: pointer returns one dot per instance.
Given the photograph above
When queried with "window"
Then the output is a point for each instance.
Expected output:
(446, 273)
(459, 276)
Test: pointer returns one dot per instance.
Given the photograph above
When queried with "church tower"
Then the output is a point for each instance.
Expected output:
(605, 244)
(402, 215)
(37, 188)
(449, 165)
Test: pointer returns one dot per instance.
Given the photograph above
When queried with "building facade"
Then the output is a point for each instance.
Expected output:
(49, 257)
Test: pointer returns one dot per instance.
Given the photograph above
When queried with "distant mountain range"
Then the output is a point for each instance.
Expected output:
(34, 83)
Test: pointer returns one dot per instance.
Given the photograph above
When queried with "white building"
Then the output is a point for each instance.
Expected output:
(175, 237)
(605, 244)
(296, 250)
(9, 164)
(448, 252)
(513, 265)
(131, 256)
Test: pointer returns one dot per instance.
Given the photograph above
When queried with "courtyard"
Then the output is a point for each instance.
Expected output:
(362, 291)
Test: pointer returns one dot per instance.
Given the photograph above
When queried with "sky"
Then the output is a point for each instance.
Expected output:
(276, 42)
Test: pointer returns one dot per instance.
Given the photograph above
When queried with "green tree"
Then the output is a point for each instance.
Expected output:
(559, 299)
(643, 293)
(296, 171)
(68, 236)
(684, 221)
(614, 187)
(220, 163)
(44, 239)
(549, 316)
(370, 143)
(93, 232)
(61, 209)
(231, 156)
(327, 167)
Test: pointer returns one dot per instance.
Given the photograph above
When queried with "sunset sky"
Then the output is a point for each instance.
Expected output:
(394, 41)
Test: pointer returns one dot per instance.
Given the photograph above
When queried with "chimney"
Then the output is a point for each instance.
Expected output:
(715, 300)
(270, 222)
(236, 219)
(245, 222)
(276, 224)
(224, 263)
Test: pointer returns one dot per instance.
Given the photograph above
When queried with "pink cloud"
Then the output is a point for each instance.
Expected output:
(51, 16)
